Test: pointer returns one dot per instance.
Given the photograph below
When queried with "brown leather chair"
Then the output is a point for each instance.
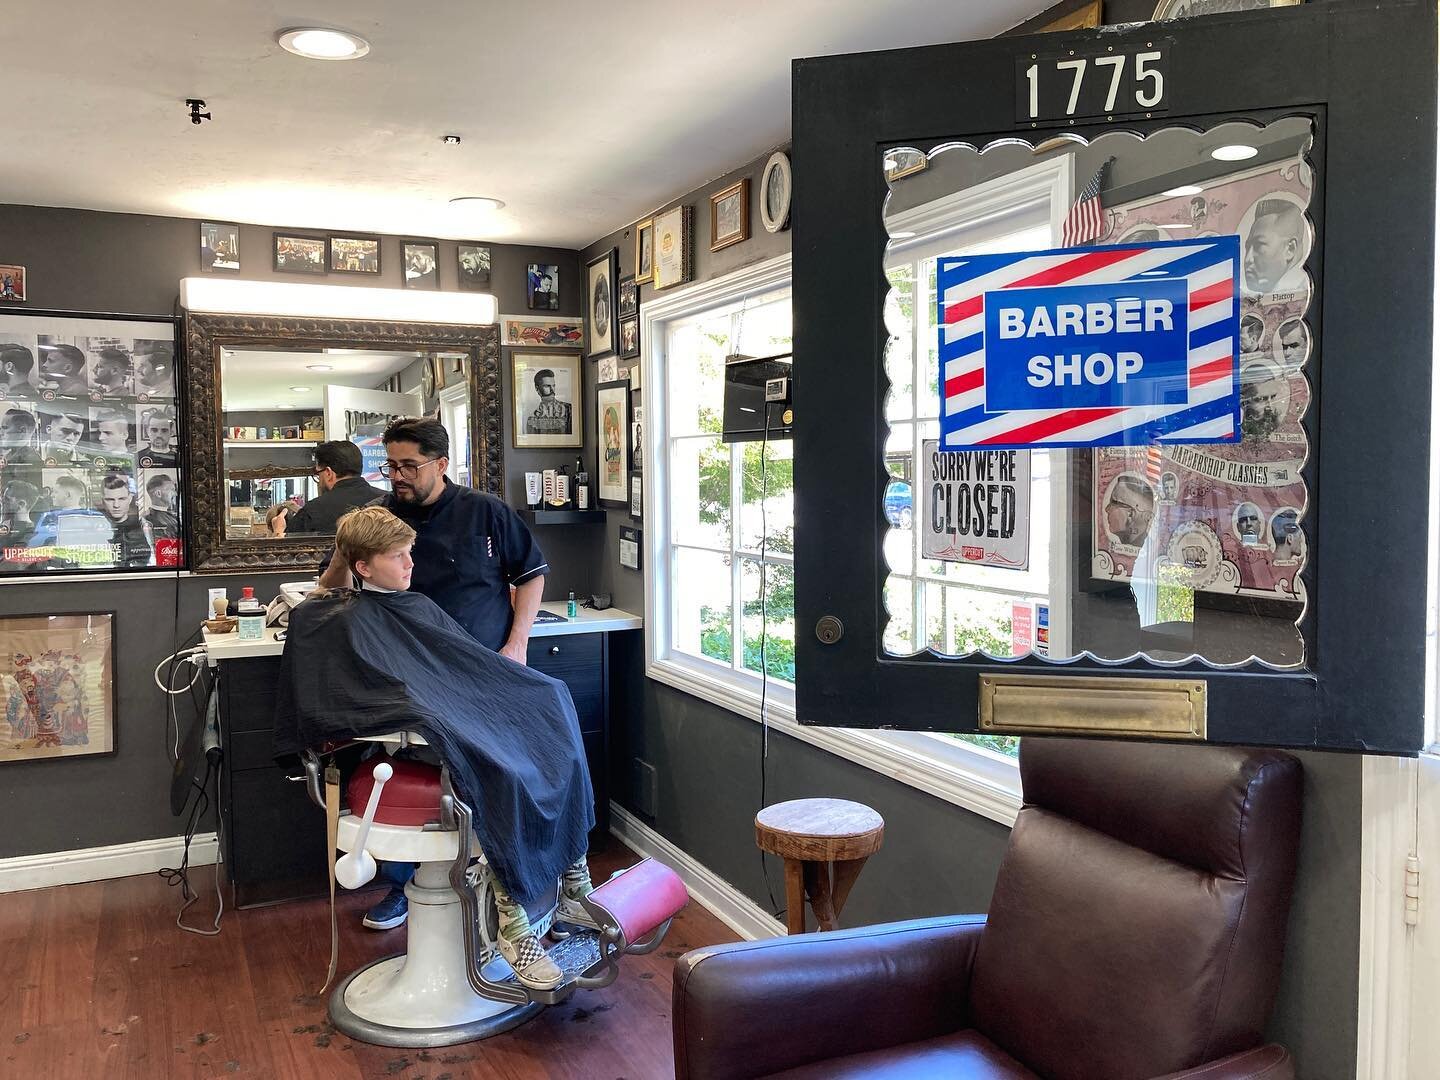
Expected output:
(1135, 931)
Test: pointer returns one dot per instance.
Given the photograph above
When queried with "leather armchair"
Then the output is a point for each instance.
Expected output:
(1135, 932)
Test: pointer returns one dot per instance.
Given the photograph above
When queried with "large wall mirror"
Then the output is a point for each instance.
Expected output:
(265, 392)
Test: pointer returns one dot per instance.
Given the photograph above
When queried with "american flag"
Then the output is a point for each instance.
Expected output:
(1086, 220)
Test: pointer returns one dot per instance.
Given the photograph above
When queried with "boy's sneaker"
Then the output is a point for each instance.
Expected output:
(531, 964)
(571, 911)
(390, 912)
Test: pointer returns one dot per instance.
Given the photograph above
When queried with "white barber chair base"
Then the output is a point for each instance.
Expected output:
(423, 997)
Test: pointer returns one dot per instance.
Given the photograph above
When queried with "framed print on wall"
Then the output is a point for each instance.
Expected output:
(601, 273)
(629, 338)
(674, 264)
(57, 685)
(546, 400)
(295, 254)
(629, 547)
(730, 215)
(636, 485)
(420, 264)
(529, 332)
(355, 254)
(612, 406)
(629, 295)
(219, 246)
(542, 287)
(775, 188)
(473, 266)
(645, 251)
(12, 282)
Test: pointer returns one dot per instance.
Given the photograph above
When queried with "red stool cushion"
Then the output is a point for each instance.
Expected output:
(410, 797)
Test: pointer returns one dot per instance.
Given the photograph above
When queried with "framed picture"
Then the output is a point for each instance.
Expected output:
(542, 287)
(607, 370)
(637, 434)
(473, 266)
(775, 189)
(629, 297)
(673, 244)
(355, 254)
(439, 364)
(645, 251)
(546, 389)
(299, 254)
(12, 282)
(636, 484)
(612, 406)
(629, 547)
(629, 337)
(601, 273)
(529, 332)
(420, 264)
(57, 679)
(219, 246)
(902, 161)
(730, 215)
(427, 380)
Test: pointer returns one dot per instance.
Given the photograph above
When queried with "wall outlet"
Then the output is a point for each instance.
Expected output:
(644, 787)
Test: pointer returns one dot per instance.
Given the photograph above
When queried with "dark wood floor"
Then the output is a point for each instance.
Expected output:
(96, 981)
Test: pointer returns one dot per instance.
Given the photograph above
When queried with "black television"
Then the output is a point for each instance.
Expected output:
(749, 415)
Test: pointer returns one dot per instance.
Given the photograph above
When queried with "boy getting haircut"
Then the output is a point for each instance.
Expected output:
(369, 531)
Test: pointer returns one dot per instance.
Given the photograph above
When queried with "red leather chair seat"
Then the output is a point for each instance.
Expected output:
(410, 797)
(962, 1055)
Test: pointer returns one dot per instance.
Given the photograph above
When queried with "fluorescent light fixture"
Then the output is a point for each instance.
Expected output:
(319, 367)
(321, 43)
(1184, 189)
(232, 297)
(1234, 152)
(1177, 226)
(482, 203)
(299, 389)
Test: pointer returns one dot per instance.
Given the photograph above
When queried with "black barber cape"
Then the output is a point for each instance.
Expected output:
(367, 663)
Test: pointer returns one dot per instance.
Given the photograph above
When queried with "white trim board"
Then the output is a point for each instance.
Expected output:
(709, 890)
(99, 863)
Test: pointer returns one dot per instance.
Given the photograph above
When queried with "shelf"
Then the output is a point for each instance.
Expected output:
(564, 517)
(269, 442)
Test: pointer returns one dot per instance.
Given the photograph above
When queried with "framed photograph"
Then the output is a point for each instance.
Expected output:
(57, 679)
(903, 161)
(420, 264)
(12, 282)
(674, 264)
(528, 332)
(629, 337)
(473, 266)
(601, 273)
(355, 254)
(629, 547)
(219, 246)
(775, 189)
(637, 435)
(439, 364)
(629, 297)
(645, 251)
(607, 370)
(612, 406)
(546, 390)
(636, 484)
(730, 215)
(542, 287)
(299, 254)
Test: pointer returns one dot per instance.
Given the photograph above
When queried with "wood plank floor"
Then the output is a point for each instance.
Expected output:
(96, 981)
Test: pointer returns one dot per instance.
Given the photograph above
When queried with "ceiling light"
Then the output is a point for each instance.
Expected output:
(319, 367)
(319, 43)
(1177, 226)
(901, 235)
(451, 140)
(1184, 189)
(234, 296)
(299, 389)
(1234, 152)
(476, 202)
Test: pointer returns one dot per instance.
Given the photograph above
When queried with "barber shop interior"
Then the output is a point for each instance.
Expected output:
(421, 658)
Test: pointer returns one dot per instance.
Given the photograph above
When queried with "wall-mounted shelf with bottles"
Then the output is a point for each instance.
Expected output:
(564, 517)
(269, 442)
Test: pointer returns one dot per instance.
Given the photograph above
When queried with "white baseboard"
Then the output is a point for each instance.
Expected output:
(97, 863)
(716, 895)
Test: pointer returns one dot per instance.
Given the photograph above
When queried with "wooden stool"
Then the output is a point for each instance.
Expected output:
(818, 838)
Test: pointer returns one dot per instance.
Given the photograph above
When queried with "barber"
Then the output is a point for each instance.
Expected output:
(338, 465)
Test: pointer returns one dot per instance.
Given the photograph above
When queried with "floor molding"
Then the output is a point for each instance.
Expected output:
(99, 863)
(715, 894)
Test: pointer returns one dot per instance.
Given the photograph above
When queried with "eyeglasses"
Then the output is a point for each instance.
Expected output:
(406, 470)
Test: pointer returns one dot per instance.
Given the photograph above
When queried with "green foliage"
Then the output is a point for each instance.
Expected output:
(1009, 745)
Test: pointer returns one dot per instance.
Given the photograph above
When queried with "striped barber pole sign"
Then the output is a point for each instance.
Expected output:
(1091, 346)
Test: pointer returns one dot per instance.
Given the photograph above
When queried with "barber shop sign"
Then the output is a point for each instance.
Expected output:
(1098, 346)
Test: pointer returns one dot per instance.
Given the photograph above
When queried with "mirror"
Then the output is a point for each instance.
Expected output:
(266, 393)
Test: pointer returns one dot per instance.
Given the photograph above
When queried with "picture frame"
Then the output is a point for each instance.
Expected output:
(901, 161)
(777, 185)
(219, 246)
(67, 661)
(637, 436)
(533, 332)
(12, 282)
(637, 485)
(354, 254)
(629, 297)
(730, 215)
(612, 474)
(542, 287)
(472, 265)
(674, 246)
(420, 264)
(630, 547)
(438, 365)
(601, 274)
(645, 251)
(629, 338)
(534, 424)
(296, 253)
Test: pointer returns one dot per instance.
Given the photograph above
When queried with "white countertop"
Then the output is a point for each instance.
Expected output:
(230, 647)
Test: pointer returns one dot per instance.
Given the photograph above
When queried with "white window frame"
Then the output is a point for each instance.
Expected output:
(454, 400)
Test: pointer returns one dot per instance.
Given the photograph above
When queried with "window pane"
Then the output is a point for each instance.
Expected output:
(776, 480)
(777, 618)
(763, 325)
(702, 598)
(700, 491)
(695, 373)
(900, 603)
(900, 349)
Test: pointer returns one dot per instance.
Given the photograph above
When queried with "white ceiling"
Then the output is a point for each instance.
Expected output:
(581, 116)
(259, 379)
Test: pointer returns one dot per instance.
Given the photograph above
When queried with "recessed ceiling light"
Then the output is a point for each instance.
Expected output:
(299, 389)
(319, 367)
(1234, 152)
(451, 140)
(476, 202)
(320, 43)
(1184, 189)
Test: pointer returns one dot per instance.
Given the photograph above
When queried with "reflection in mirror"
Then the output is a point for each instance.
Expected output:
(302, 429)
(1179, 528)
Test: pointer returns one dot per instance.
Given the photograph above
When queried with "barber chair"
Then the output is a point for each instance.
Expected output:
(451, 985)
(1135, 931)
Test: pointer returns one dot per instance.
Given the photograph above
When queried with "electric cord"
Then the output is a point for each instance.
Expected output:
(180, 875)
(194, 657)
(764, 642)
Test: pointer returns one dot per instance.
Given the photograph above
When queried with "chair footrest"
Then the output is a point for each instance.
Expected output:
(640, 899)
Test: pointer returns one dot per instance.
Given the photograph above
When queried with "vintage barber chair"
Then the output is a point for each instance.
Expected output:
(1135, 931)
(451, 985)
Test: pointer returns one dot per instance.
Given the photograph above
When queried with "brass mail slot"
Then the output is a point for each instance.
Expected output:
(1060, 704)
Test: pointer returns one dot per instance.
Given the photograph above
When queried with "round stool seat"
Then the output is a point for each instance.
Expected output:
(824, 843)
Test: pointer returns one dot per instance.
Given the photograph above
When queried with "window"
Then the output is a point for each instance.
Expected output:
(455, 415)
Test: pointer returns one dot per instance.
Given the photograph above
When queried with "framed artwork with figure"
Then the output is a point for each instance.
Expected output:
(612, 406)
(57, 686)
